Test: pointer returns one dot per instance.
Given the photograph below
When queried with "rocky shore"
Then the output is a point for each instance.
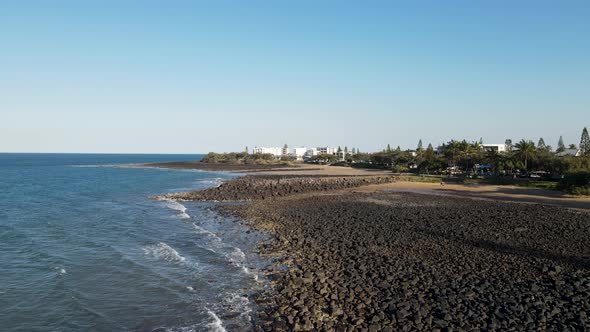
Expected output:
(348, 260)
(388, 262)
(251, 188)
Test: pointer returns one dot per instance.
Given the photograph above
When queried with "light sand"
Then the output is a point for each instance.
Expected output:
(312, 169)
(482, 191)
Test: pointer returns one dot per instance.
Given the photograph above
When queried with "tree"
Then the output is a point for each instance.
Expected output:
(398, 149)
(420, 148)
(560, 145)
(345, 151)
(353, 151)
(429, 148)
(247, 150)
(526, 150)
(339, 150)
(585, 142)
(388, 148)
(572, 146)
(541, 144)
(324, 158)
(481, 141)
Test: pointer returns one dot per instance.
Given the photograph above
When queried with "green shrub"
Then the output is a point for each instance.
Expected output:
(576, 183)
(580, 191)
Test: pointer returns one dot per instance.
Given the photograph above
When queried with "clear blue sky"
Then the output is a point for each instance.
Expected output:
(195, 76)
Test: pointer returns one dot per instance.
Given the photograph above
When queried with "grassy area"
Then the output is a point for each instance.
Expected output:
(548, 185)
(421, 178)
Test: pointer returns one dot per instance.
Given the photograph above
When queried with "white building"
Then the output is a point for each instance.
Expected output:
(275, 151)
(311, 152)
(326, 150)
(298, 152)
(494, 147)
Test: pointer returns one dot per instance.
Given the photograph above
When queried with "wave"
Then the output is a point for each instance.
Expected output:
(238, 259)
(174, 205)
(235, 257)
(163, 251)
(214, 182)
(217, 324)
(238, 303)
(201, 230)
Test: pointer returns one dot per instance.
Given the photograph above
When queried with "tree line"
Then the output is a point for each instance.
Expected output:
(521, 157)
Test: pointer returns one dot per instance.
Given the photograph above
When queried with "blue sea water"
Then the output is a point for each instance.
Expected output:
(84, 248)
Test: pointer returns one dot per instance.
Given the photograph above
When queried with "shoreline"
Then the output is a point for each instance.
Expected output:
(399, 183)
(373, 256)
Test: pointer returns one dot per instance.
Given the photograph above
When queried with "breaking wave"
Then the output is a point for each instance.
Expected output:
(216, 325)
(238, 303)
(174, 205)
(163, 251)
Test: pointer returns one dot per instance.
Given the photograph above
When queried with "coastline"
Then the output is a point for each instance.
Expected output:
(384, 261)
(385, 254)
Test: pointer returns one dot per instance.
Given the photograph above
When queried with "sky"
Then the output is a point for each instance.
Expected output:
(172, 76)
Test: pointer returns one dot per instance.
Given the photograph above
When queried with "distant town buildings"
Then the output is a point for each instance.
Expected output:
(300, 153)
(275, 151)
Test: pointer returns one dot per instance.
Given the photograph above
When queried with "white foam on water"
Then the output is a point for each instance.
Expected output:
(190, 288)
(238, 259)
(192, 328)
(237, 255)
(201, 230)
(217, 324)
(163, 251)
(61, 271)
(238, 303)
(174, 205)
(216, 182)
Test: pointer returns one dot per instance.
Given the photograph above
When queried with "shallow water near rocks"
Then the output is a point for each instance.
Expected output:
(83, 247)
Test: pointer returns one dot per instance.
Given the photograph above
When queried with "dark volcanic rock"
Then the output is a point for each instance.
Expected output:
(250, 188)
(388, 262)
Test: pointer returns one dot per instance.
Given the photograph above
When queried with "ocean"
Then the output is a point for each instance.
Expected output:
(84, 248)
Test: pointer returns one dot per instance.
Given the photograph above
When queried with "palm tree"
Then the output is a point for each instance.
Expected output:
(526, 150)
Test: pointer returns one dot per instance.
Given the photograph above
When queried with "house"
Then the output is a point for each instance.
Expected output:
(569, 152)
(494, 147)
